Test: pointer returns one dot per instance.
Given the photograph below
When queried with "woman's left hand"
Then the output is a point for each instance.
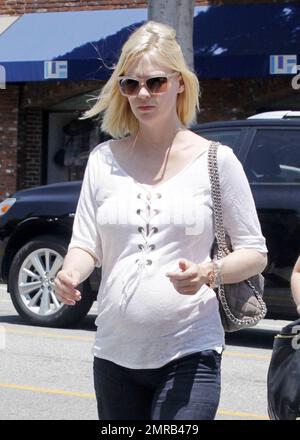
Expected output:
(191, 277)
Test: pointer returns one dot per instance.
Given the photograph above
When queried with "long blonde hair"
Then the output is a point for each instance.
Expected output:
(118, 119)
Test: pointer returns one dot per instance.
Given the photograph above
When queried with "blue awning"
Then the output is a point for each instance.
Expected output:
(255, 40)
(65, 45)
(229, 41)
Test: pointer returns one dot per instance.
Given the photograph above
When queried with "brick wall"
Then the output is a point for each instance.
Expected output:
(8, 139)
(45, 94)
(226, 99)
(13, 7)
(30, 148)
(29, 6)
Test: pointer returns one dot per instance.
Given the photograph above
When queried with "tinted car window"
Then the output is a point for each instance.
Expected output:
(274, 157)
(226, 137)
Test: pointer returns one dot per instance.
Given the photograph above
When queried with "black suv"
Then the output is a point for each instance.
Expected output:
(36, 223)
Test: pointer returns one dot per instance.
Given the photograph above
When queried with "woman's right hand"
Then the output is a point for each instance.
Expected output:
(65, 284)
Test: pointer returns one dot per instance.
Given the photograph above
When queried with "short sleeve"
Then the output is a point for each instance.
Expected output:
(240, 217)
(85, 234)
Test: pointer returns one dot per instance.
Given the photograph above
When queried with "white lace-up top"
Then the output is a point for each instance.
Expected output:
(137, 233)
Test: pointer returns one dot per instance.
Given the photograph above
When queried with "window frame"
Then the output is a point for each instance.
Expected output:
(253, 135)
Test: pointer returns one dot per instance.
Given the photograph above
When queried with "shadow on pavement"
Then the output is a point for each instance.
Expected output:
(87, 323)
(255, 338)
(12, 319)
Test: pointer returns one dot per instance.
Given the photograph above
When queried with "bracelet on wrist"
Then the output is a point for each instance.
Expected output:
(214, 276)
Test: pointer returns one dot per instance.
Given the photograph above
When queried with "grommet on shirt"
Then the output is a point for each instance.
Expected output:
(154, 229)
(149, 262)
(158, 195)
(140, 229)
(147, 215)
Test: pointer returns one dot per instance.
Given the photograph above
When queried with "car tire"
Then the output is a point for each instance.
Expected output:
(32, 287)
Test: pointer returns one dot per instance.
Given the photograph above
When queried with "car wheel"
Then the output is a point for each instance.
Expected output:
(31, 280)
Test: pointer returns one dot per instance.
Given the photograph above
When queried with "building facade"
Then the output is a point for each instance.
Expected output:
(41, 139)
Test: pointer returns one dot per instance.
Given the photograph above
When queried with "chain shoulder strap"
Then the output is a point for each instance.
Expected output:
(216, 199)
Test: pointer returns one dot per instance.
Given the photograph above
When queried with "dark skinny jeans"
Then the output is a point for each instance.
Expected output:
(187, 388)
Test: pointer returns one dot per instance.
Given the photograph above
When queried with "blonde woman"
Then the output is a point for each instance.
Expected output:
(295, 284)
(145, 216)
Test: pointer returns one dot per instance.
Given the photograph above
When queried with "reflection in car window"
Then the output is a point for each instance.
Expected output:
(274, 157)
(226, 137)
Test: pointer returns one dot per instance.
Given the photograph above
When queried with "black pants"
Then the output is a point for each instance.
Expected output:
(184, 389)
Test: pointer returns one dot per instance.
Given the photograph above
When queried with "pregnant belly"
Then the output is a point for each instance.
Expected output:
(154, 304)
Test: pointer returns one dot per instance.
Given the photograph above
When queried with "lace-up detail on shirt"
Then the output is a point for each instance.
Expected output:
(147, 231)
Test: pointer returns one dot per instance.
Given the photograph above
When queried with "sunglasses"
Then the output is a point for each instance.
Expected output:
(155, 84)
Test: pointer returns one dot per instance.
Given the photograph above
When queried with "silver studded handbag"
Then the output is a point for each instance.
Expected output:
(240, 304)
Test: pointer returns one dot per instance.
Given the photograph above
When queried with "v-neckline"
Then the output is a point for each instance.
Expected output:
(153, 187)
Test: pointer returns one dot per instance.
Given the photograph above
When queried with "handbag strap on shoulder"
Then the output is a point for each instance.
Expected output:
(216, 199)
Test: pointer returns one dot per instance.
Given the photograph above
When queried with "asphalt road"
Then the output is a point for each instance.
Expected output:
(46, 374)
